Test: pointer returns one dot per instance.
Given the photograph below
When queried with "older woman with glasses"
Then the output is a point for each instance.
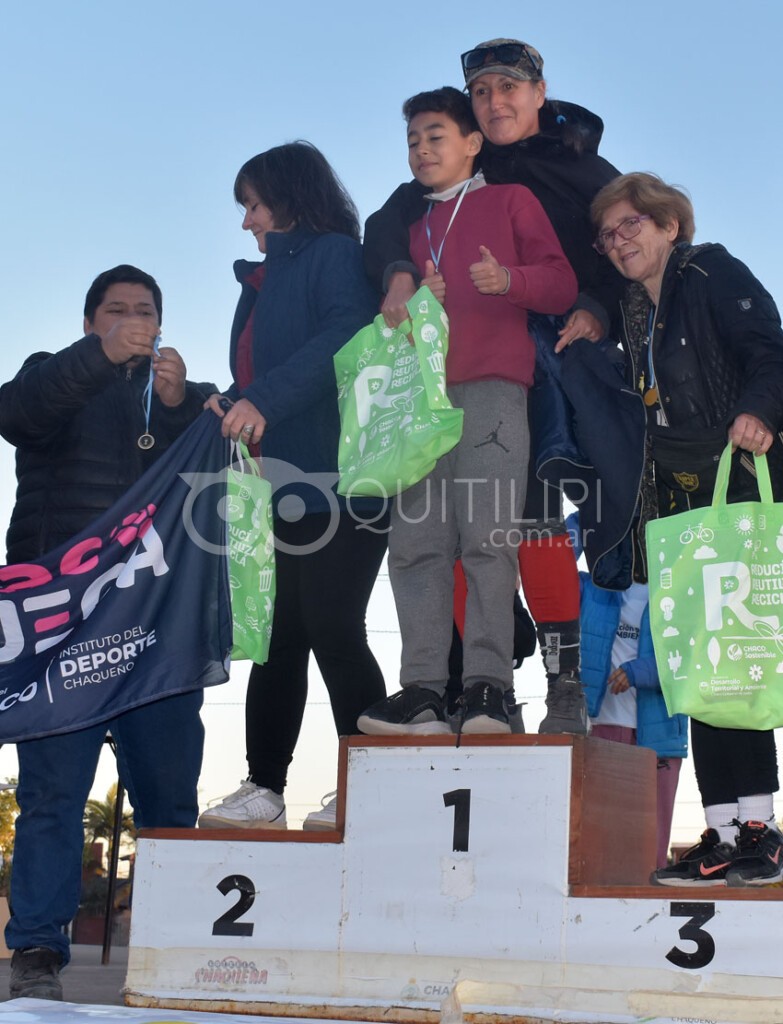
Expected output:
(704, 347)
(552, 148)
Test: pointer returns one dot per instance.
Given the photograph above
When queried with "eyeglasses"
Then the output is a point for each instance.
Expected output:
(629, 228)
(509, 54)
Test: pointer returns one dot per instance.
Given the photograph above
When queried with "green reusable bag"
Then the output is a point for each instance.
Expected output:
(716, 598)
(251, 556)
(396, 419)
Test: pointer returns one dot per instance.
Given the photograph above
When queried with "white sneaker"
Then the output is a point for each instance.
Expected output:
(326, 817)
(251, 806)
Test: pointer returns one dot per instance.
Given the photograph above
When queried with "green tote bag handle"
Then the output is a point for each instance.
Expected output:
(724, 471)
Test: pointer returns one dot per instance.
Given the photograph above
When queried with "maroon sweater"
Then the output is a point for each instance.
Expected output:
(488, 335)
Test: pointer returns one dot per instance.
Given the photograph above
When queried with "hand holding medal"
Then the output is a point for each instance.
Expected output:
(167, 381)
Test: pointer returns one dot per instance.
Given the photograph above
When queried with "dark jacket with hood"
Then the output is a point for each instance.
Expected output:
(561, 167)
(717, 352)
(75, 419)
(717, 344)
(313, 299)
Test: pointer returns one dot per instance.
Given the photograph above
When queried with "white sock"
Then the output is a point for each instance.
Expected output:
(719, 817)
(757, 808)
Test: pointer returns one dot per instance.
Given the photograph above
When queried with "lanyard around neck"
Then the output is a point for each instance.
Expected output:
(650, 371)
(428, 229)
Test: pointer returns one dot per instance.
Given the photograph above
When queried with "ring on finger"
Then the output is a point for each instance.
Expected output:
(248, 428)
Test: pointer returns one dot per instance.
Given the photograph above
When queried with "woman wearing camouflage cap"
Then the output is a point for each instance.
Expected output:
(551, 147)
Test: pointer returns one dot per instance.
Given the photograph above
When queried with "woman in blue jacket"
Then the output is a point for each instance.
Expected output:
(296, 309)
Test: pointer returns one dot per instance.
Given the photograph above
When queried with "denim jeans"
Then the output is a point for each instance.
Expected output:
(159, 752)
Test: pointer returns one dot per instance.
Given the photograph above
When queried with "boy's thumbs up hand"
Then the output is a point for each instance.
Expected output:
(488, 276)
(434, 281)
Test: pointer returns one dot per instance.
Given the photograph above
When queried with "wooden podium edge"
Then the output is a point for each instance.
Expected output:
(293, 835)
(690, 893)
(612, 794)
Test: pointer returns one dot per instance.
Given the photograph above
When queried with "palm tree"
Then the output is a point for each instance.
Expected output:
(8, 813)
(99, 820)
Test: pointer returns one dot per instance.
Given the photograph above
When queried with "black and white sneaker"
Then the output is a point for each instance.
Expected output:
(415, 711)
(705, 863)
(514, 711)
(759, 856)
(482, 710)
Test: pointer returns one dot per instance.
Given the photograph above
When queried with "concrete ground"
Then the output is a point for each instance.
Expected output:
(85, 979)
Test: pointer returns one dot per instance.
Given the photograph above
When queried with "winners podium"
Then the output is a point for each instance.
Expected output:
(502, 880)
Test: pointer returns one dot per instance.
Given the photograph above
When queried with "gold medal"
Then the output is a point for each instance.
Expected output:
(651, 397)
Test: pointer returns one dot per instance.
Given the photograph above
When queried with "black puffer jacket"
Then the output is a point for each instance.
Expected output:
(75, 418)
(717, 344)
(717, 352)
(561, 167)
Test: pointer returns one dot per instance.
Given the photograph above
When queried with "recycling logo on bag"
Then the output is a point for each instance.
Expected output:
(396, 418)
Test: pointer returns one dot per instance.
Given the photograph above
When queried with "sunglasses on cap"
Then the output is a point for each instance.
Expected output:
(508, 54)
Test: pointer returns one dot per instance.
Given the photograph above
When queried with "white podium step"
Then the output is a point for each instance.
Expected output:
(504, 879)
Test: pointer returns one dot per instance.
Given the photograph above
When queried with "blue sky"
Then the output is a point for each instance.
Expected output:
(123, 126)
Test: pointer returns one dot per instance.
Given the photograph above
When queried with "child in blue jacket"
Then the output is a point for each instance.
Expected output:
(620, 679)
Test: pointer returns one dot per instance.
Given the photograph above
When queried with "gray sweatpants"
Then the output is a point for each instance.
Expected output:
(470, 506)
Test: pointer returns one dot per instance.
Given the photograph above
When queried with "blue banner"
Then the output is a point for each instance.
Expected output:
(134, 608)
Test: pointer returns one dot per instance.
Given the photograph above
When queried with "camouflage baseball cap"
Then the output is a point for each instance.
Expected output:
(503, 57)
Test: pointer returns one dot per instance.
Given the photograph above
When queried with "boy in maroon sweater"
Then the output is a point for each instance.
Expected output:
(489, 254)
